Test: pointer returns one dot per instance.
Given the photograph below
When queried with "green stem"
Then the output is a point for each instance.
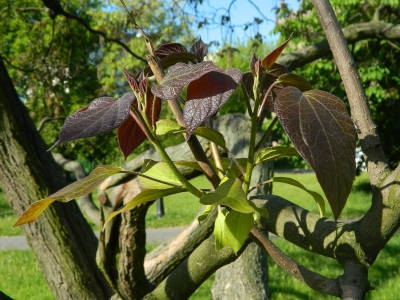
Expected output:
(157, 144)
(266, 134)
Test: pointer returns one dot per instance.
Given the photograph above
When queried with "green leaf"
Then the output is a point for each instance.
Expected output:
(143, 197)
(160, 171)
(219, 229)
(317, 197)
(324, 135)
(211, 135)
(75, 190)
(295, 80)
(166, 126)
(272, 153)
(205, 213)
(261, 210)
(237, 228)
(229, 193)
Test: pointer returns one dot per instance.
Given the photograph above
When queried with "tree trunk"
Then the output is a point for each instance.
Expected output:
(246, 277)
(61, 239)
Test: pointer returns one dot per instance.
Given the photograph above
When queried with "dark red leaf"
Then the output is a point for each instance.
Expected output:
(200, 49)
(271, 58)
(180, 75)
(206, 95)
(323, 133)
(164, 50)
(100, 116)
(171, 60)
(130, 134)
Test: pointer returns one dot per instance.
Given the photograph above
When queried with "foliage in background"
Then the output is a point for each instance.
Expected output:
(378, 62)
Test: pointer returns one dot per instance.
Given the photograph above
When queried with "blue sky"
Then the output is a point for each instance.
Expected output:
(242, 11)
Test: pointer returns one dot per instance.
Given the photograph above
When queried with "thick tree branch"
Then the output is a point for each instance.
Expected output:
(353, 33)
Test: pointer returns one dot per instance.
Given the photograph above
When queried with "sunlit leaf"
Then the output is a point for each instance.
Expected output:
(261, 210)
(229, 193)
(100, 116)
(295, 80)
(211, 135)
(166, 126)
(160, 171)
(272, 153)
(270, 59)
(166, 49)
(205, 213)
(317, 197)
(145, 196)
(75, 190)
(171, 60)
(207, 94)
(237, 228)
(219, 229)
(323, 133)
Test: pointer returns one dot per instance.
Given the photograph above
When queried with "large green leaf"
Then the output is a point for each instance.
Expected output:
(160, 171)
(317, 197)
(75, 190)
(229, 193)
(166, 126)
(237, 228)
(219, 229)
(211, 135)
(145, 196)
(324, 135)
(295, 80)
(273, 153)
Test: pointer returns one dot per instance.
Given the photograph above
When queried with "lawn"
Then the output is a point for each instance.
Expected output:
(20, 277)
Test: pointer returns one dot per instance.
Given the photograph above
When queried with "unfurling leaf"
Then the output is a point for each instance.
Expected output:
(323, 133)
(75, 190)
(160, 171)
(229, 193)
(200, 49)
(143, 197)
(272, 153)
(166, 126)
(130, 133)
(205, 213)
(271, 58)
(207, 94)
(219, 229)
(317, 197)
(166, 49)
(180, 75)
(100, 116)
(255, 65)
(237, 228)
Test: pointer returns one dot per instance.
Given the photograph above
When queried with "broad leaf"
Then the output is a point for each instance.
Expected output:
(166, 126)
(143, 197)
(211, 135)
(295, 80)
(180, 75)
(207, 94)
(229, 193)
(75, 190)
(317, 197)
(130, 133)
(166, 49)
(272, 153)
(237, 228)
(219, 229)
(324, 135)
(200, 49)
(261, 210)
(100, 116)
(172, 59)
(160, 171)
(270, 59)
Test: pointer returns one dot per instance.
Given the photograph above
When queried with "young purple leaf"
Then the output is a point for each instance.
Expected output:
(206, 95)
(179, 76)
(255, 65)
(323, 133)
(166, 49)
(100, 116)
(271, 58)
(200, 49)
